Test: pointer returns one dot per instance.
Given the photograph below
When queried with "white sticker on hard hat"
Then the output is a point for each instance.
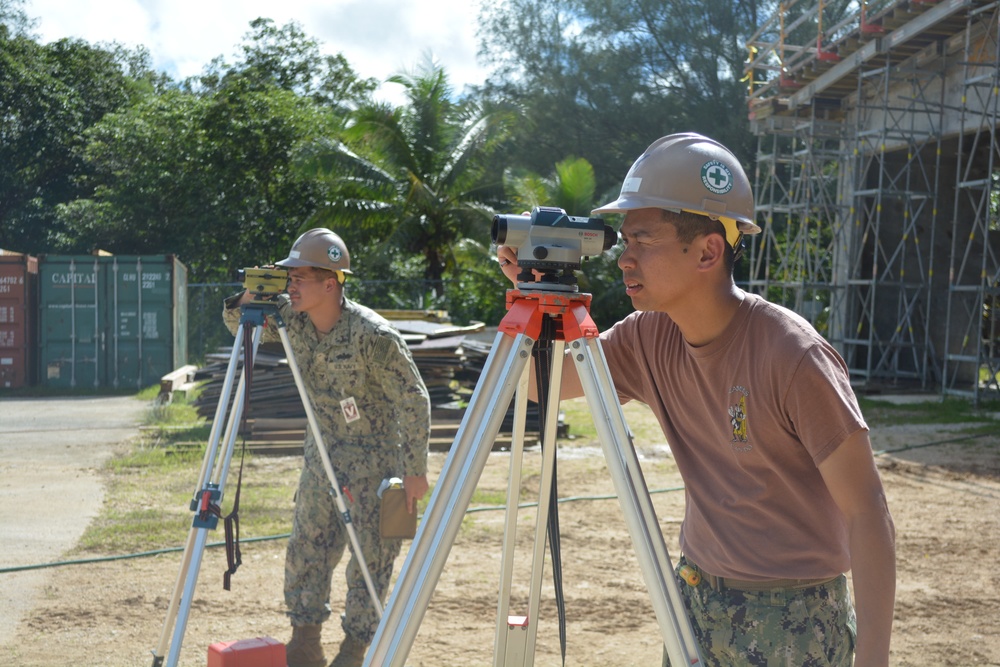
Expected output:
(350, 410)
(716, 177)
(631, 184)
(294, 254)
(333, 252)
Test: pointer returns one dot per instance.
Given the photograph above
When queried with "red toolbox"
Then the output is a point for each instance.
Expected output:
(257, 652)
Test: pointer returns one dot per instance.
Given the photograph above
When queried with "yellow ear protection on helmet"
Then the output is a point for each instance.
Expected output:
(734, 237)
(733, 234)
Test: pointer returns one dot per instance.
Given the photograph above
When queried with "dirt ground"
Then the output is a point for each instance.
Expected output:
(943, 489)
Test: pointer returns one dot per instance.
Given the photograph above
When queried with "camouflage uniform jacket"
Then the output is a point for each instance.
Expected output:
(370, 401)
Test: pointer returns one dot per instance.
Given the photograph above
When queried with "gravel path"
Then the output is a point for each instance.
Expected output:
(50, 452)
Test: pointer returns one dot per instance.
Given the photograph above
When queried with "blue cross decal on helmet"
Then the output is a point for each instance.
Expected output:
(716, 177)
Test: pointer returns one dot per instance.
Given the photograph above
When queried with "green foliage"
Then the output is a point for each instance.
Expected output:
(207, 176)
(411, 180)
(13, 20)
(226, 168)
(49, 96)
(291, 60)
(146, 177)
(602, 80)
(571, 187)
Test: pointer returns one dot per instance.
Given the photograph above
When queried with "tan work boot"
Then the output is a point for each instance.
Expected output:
(305, 649)
(351, 654)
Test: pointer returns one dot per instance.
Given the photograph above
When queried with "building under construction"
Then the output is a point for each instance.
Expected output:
(878, 185)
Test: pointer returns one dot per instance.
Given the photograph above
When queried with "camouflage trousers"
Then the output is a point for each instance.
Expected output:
(319, 538)
(808, 627)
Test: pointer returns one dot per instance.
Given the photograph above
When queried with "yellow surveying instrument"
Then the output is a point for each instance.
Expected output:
(264, 283)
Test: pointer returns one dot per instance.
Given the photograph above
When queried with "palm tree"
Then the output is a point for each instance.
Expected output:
(571, 187)
(417, 178)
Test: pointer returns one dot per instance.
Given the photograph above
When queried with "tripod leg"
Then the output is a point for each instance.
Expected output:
(184, 588)
(544, 496)
(325, 456)
(637, 507)
(452, 494)
(184, 611)
(168, 625)
(504, 627)
(208, 463)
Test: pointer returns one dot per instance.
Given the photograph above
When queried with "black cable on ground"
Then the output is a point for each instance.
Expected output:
(142, 554)
(168, 550)
(947, 441)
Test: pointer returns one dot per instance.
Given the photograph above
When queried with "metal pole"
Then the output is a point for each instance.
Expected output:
(180, 603)
(510, 519)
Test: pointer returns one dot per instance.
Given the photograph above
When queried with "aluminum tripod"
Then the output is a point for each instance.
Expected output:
(215, 470)
(506, 370)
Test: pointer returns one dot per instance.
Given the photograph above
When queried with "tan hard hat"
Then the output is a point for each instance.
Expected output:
(320, 248)
(690, 172)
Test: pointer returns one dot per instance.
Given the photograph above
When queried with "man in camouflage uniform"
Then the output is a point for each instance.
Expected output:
(374, 412)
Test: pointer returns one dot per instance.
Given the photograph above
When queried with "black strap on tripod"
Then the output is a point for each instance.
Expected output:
(543, 368)
(231, 522)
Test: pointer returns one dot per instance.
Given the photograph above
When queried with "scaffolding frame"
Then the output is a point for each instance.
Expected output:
(855, 132)
(972, 361)
(797, 186)
(894, 206)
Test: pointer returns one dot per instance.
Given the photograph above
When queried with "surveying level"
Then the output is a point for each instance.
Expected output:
(529, 321)
(215, 469)
(263, 283)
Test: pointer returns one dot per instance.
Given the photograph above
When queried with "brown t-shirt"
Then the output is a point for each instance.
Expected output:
(748, 418)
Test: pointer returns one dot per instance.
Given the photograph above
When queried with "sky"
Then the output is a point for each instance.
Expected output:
(379, 38)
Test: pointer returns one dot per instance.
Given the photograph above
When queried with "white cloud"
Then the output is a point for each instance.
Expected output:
(378, 37)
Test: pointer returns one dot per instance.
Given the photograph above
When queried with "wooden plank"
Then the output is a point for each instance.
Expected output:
(174, 379)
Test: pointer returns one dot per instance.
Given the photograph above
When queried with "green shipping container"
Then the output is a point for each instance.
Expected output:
(116, 322)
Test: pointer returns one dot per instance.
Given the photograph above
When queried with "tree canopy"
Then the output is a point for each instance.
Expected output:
(226, 168)
(49, 97)
(415, 180)
(603, 80)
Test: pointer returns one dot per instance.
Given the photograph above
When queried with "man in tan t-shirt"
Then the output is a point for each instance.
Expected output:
(782, 493)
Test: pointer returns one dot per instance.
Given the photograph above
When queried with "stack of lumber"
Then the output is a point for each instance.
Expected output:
(448, 359)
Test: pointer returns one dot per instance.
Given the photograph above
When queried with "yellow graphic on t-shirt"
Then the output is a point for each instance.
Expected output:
(738, 419)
